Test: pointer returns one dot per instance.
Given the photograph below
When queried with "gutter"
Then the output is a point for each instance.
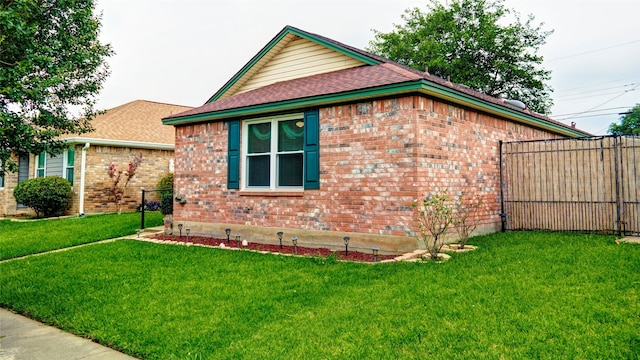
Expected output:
(83, 166)
(121, 143)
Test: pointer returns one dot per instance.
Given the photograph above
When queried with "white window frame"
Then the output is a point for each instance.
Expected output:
(244, 164)
(65, 164)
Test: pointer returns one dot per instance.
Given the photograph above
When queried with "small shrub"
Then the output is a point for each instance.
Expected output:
(434, 216)
(166, 196)
(47, 196)
(150, 206)
(466, 217)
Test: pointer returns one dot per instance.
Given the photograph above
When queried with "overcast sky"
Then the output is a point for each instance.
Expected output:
(183, 51)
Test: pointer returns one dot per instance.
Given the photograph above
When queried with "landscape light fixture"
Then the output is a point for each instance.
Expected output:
(346, 245)
(295, 245)
(228, 232)
(280, 234)
(238, 240)
(503, 219)
(375, 253)
(180, 228)
(138, 231)
(188, 230)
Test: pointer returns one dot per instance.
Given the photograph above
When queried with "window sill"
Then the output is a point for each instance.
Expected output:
(275, 193)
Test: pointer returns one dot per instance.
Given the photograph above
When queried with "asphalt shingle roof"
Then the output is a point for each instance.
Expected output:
(139, 121)
(341, 81)
(357, 78)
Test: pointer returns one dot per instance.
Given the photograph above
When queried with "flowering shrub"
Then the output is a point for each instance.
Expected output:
(434, 215)
(150, 206)
(437, 212)
(120, 179)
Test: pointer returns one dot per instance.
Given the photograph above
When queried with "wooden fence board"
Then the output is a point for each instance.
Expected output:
(587, 184)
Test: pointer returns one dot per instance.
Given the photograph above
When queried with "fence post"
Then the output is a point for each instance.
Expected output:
(142, 212)
(503, 215)
(616, 155)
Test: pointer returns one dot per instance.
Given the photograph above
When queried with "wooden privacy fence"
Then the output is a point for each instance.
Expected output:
(586, 184)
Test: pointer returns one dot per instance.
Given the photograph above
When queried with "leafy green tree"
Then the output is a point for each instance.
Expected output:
(629, 123)
(52, 65)
(472, 43)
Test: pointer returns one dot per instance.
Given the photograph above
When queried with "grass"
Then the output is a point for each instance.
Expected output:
(519, 296)
(31, 237)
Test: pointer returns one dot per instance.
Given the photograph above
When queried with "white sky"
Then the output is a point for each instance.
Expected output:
(183, 51)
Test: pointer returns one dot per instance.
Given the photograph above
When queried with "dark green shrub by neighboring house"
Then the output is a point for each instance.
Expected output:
(166, 194)
(47, 196)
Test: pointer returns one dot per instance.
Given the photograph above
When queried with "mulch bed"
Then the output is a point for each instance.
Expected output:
(286, 249)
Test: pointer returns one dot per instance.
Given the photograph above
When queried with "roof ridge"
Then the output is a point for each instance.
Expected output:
(155, 102)
(402, 70)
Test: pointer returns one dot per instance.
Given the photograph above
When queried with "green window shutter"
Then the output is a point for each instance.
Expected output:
(312, 150)
(71, 154)
(233, 156)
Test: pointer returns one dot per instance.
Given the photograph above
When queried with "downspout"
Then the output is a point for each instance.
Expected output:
(83, 165)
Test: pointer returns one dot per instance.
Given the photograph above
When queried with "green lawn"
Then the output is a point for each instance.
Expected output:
(30, 237)
(519, 296)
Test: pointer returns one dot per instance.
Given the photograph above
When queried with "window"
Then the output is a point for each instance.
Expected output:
(61, 165)
(274, 152)
(69, 164)
(41, 165)
(277, 152)
(1, 181)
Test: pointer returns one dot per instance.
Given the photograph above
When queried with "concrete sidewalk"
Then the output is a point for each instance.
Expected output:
(22, 338)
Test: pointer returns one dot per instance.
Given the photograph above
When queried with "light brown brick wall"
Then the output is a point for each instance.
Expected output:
(376, 158)
(155, 164)
(8, 204)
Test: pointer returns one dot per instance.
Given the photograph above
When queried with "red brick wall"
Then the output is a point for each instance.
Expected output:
(376, 158)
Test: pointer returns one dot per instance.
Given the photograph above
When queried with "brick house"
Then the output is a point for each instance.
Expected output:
(320, 140)
(118, 135)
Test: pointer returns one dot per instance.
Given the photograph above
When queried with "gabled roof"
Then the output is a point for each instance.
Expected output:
(134, 124)
(276, 45)
(372, 77)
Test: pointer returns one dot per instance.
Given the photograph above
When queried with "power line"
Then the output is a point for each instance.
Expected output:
(593, 91)
(595, 50)
(604, 103)
(583, 112)
(588, 116)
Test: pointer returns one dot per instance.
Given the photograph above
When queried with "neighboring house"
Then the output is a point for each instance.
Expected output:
(322, 140)
(118, 135)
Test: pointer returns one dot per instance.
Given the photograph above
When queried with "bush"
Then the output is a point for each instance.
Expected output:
(48, 196)
(166, 196)
(149, 206)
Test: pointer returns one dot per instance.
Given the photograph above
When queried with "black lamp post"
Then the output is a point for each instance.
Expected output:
(188, 230)
(375, 253)
(228, 232)
(238, 240)
(346, 245)
(180, 228)
(295, 245)
(280, 233)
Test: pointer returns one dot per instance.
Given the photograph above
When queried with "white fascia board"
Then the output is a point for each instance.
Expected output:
(120, 143)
